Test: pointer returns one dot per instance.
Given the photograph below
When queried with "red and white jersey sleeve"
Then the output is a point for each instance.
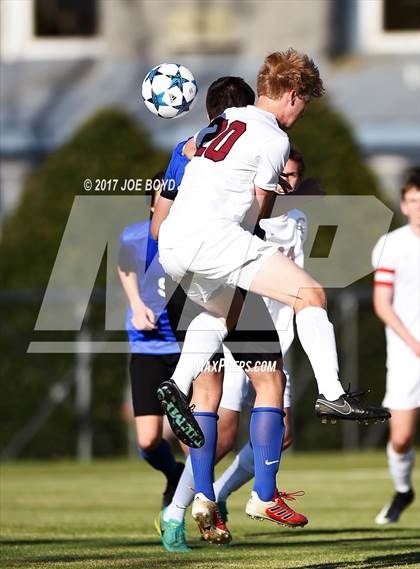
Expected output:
(396, 260)
(384, 260)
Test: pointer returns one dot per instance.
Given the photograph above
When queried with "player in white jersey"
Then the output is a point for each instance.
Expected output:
(396, 259)
(241, 156)
(238, 93)
(287, 232)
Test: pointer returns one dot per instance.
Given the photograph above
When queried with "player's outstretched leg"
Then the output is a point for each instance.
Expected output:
(282, 280)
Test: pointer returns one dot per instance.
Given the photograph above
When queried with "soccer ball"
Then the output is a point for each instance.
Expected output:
(168, 90)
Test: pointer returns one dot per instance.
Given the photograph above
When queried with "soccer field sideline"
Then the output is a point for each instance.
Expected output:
(62, 514)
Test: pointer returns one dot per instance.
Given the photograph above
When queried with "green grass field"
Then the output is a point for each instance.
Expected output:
(61, 514)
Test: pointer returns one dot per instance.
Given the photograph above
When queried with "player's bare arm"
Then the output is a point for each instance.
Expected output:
(143, 317)
(163, 204)
(265, 200)
(190, 148)
(161, 212)
(382, 302)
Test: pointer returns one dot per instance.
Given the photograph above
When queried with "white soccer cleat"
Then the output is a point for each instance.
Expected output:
(381, 518)
(205, 513)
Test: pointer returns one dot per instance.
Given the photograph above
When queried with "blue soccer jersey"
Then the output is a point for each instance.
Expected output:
(175, 171)
(139, 254)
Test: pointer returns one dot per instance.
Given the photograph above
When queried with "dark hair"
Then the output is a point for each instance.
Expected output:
(307, 186)
(296, 156)
(228, 92)
(412, 180)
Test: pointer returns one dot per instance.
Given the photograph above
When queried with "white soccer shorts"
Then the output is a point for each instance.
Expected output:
(232, 257)
(403, 387)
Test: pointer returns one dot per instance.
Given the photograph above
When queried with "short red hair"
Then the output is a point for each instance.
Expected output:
(285, 70)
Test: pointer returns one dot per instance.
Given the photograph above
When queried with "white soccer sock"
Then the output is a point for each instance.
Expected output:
(204, 336)
(236, 475)
(316, 334)
(184, 495)
(400, 467)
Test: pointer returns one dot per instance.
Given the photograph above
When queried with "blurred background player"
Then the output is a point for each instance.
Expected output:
(154, 350)
(396, 298)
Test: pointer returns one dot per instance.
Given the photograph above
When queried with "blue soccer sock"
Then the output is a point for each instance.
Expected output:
(267, 432)
(202, 459)
(161, 458)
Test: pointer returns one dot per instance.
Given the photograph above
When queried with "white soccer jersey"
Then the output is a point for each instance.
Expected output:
(396, 260)
(218, 185)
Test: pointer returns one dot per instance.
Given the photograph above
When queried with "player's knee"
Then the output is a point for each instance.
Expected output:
(401, 443)
(312, 297)
(149, 442)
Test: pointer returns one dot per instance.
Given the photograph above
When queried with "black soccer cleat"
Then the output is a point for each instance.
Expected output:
(349, 407)
(392, 512)
(171, 486)
(180, 417)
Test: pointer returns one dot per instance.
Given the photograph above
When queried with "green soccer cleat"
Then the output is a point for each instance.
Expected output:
(159, 523)
(172, 534)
